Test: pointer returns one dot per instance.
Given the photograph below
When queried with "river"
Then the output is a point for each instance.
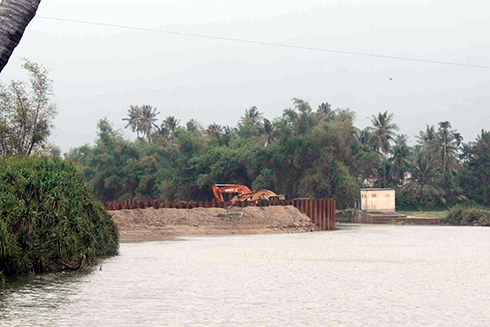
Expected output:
(359, 275)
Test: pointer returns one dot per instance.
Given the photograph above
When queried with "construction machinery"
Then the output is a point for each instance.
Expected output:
(242, 193)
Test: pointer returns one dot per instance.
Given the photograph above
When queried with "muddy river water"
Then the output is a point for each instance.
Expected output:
(359, 275)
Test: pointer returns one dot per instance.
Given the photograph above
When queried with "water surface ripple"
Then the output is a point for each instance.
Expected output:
(359, 275)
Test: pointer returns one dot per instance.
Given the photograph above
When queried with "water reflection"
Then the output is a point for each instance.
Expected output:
(360, 275)
(31, 300)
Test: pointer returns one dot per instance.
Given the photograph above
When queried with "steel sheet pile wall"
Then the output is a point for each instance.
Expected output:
(320, 211)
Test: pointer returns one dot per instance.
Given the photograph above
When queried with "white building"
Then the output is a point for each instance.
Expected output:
(378, 199)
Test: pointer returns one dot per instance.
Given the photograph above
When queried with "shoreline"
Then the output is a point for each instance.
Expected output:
(144, 225)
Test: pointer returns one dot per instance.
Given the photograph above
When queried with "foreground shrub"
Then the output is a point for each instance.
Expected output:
(459, 215)
(49, 220)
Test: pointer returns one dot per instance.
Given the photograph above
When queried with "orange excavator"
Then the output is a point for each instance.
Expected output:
(243, 193)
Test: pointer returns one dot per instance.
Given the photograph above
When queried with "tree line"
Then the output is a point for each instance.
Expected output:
(305, 152)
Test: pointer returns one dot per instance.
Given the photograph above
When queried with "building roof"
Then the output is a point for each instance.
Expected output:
(377, 189)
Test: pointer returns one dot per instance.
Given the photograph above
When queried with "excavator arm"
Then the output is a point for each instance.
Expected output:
(219, 189)
(243, 193)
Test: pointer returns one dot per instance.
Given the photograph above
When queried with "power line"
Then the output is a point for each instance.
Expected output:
(290, 46)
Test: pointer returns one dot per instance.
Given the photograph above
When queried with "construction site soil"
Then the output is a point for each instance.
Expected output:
(163, 224)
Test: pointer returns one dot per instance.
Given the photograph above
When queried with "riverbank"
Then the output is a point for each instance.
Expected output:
(163, 224)
(456, 216)
(391, 218)
(49, 218)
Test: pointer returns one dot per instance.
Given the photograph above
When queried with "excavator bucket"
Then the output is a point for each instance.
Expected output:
(243, 193)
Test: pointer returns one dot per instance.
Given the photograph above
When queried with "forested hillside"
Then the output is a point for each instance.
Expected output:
(305, 152)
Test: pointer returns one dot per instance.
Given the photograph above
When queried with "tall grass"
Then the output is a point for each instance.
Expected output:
(49, 220)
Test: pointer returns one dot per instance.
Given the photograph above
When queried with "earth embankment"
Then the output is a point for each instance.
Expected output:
(159, 224)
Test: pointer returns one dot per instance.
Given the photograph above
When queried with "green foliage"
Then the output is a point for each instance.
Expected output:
(142, 120)
(460, 215)
(49, 219)
(425, 179)
(382, 132)
(400, 157)
(425, 203)
(26, 113)
(302, 153)
(404, 203)
(475, 175)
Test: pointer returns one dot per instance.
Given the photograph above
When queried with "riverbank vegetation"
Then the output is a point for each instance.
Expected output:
(305, 152)
(426, 214)
(460, 215)
(49, 217)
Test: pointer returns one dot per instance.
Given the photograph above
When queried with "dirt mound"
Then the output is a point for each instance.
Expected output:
(146, 224)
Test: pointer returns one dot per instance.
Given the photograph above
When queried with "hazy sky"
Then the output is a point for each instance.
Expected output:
(100, 71)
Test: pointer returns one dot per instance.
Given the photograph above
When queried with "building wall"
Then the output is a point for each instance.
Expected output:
(378, 199)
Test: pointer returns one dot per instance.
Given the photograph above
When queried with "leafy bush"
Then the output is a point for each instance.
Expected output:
(404, 203)
(459, 215)
(49, 219)
(426, 203)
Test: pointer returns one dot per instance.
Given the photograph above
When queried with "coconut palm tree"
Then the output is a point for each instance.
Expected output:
(444, 128)
(363, 136)
(458, 137)
(133, 119)
(251, 121)
(447, 147)
(382, 132)
(428, 136)
(147, 119)
(479, 164)
(252, 116)
(400, 155)
(171, 123)
(324, 113)
(227, 135)
(268, 131)
(424, 180)
(15, 15)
